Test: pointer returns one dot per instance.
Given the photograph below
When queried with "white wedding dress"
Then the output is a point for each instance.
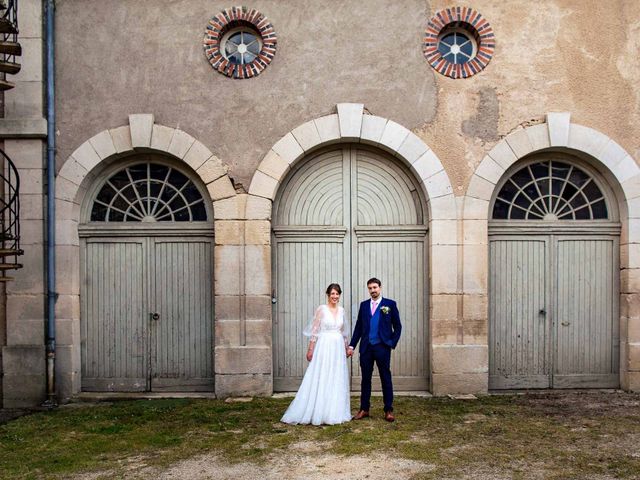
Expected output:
(323, 396)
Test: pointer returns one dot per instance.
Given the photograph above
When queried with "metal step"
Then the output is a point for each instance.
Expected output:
(7, 27)
(10, 266)
(6, 85)
(6, 252)
(10, 48)
(9, 67)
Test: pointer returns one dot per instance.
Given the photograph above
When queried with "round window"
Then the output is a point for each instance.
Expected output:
(458, 42)
(239, 42)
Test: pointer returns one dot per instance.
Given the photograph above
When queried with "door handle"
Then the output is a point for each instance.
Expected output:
(542, 311)
(565, 324)
(155, 316)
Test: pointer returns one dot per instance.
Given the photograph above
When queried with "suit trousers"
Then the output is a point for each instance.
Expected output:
(380, 354)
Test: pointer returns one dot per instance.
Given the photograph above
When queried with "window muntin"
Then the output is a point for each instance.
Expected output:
(456, 46)
(241, 45)
(148, 192)
(550, 191)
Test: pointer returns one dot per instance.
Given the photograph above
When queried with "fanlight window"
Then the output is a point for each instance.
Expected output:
(550, 191)
(148, 192)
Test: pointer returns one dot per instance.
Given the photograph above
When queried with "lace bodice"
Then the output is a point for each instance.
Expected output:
(325, 322)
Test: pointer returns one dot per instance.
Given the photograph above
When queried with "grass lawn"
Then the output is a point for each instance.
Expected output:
(569, 435)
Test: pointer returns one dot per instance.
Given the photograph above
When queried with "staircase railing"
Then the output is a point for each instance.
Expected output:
(10, 49)
(9, 217)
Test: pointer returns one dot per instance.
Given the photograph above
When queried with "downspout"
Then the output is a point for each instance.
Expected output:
(51, 208)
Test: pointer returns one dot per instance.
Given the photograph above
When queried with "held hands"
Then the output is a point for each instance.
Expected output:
(349, 351)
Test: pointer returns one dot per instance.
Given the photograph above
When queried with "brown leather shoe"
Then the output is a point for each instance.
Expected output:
(361, 414)
(388, 416)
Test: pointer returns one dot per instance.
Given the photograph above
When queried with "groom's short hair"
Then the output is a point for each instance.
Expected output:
(374, 280)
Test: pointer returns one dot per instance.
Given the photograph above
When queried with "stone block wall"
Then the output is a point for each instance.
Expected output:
(23, 129)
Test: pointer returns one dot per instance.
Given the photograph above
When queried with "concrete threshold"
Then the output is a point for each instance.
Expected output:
(116, 396)
(547, 391)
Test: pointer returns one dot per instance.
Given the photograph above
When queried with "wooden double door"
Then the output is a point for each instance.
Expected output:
(345, 215)
(147, 313)
(553, 311)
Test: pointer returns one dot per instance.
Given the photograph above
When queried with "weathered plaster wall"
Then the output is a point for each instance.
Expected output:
(555, 55)
(117, 58)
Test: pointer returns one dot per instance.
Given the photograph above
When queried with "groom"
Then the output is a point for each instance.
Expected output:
(378, 327)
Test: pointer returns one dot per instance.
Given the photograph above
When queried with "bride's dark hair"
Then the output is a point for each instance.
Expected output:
(334, 286)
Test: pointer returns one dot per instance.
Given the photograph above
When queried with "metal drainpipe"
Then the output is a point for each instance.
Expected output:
(51, 208)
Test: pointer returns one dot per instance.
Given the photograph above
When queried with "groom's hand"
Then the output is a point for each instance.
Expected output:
(349, 351)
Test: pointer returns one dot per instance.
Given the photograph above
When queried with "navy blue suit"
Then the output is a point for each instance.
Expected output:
(389, 328)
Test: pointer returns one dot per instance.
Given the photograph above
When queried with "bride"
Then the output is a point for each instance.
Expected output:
(323, 396)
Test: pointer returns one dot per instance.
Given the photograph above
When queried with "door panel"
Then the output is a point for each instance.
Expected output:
(395, 261)
(114, 331)
(304, 267)
(124, 281)
(383, 194)
(182, 339)
(519, 325)
(579, 346)
(314, 196)
(585, 301)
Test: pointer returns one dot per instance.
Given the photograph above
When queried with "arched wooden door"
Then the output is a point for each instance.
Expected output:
(147, 282)
(345, 215)
(553, 280)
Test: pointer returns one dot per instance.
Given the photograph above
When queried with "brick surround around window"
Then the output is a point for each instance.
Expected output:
(472, 23)
(231, 18)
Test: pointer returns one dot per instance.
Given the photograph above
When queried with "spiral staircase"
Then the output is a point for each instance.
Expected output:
(10, 50)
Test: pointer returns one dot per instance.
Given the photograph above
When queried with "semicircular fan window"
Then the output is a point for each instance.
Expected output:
(148, 192)
(550, 191)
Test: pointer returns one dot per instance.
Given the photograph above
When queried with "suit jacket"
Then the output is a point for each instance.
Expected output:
(389, 326)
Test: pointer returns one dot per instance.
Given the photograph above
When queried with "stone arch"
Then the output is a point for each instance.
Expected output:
(75, 177)
(351, 124)
(617, 167)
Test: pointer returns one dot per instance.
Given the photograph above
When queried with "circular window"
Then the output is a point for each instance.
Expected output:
(458, 42)
(239, 42)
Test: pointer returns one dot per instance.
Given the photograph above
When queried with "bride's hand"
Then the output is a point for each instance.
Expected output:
(309, 355)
